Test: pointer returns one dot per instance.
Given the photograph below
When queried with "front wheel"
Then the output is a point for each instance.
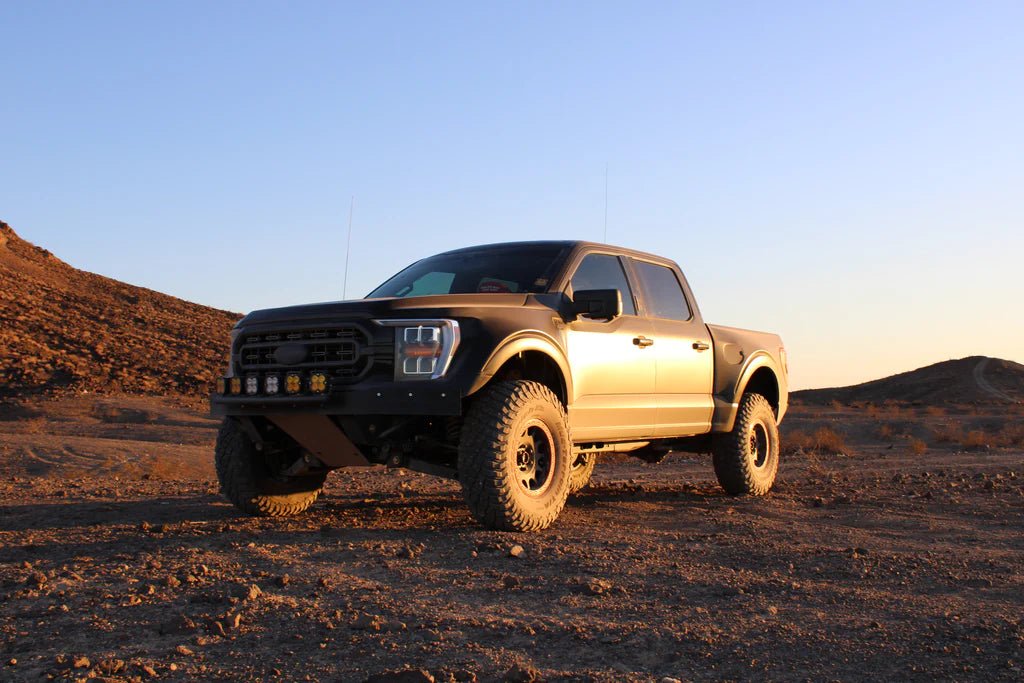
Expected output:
(251, 479)
(515, 457)
(747, 458)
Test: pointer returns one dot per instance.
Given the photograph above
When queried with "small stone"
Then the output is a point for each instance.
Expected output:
(254, 592)
(517, 551)
(149, 671)
(403, 676)
(392, 626)
(171, 581)
(367, 622)
(183, 651)
(283, 580)
(81, 663)
(521, 673)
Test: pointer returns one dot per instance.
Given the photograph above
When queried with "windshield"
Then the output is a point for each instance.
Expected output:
(505, 269)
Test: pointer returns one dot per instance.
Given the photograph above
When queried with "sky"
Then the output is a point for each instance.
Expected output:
(848, 175)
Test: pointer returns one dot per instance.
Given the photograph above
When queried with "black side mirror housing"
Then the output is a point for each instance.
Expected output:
(597, 304)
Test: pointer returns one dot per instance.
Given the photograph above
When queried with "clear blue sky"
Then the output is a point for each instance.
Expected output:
(850, 175)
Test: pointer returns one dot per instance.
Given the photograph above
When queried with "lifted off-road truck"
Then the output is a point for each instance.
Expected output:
(508, 367)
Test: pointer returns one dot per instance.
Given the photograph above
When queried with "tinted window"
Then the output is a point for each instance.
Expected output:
(492, 270)
(603, 271)
(663, 295)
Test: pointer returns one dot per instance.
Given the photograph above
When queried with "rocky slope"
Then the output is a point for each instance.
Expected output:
(966, 380)
(67, 330)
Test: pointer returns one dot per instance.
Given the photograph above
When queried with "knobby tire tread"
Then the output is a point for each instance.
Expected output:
(235, 460)
(733, 467)
(487, 487)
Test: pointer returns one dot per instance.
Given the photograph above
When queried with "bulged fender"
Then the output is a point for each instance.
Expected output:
(527, 340)
(760, 372)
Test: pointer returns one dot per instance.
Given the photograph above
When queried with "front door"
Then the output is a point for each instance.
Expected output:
(612, 365)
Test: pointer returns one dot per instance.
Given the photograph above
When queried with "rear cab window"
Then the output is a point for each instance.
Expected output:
(663, 294)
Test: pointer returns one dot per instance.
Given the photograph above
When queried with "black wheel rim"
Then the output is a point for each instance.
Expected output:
(535, 458)
(759, 445)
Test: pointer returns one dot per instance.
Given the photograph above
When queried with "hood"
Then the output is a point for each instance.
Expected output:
(408, 307)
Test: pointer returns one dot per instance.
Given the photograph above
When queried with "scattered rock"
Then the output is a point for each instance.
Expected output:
(81, 663)
(517, 551)
(403, 676)
(177, 625)
(521, 673)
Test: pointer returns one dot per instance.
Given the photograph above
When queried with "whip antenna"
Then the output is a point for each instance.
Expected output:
(348, 247)
(605, 240)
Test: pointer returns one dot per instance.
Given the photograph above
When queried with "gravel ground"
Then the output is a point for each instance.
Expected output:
(876, 565)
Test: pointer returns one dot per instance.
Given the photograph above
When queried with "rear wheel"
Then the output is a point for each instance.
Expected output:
(515, 457)
(747, 458)
(251, 479)
(582, 470)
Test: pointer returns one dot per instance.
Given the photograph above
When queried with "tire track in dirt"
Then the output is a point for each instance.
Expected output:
(983, 384)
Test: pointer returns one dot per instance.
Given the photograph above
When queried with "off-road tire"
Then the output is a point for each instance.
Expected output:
(247, 481)
(582, 470)
(511, 425)
(747, 458)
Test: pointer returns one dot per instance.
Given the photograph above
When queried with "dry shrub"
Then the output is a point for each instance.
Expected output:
(916, 446)
(1013, 435)
(948, 433)
(975, 439)
(824, 441)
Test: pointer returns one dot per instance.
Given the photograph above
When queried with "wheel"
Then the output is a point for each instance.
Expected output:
(249, 479)
(582, 469)
(515, 457)
(747, 458)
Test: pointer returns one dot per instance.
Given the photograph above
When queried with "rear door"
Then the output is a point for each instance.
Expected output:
(612, 366)
(683, 354)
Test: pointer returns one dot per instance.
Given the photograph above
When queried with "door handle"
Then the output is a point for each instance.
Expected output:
(642, 341)
(701, 346)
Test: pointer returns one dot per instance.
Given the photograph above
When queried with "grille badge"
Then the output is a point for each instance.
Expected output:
(290, 354)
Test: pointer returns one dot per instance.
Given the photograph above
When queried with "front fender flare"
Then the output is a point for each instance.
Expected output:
(526, 341)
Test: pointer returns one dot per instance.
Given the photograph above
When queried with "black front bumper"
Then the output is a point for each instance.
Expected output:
(407, 399)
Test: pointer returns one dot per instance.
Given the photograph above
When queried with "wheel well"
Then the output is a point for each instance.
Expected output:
(764, 382)
(536, 366)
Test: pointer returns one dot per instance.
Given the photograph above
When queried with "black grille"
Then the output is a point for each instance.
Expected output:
(344, 352)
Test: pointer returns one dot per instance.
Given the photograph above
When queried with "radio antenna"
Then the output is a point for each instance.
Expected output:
(348, 247)
(605, 240)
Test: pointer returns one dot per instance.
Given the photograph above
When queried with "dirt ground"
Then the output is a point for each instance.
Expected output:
(119, 560)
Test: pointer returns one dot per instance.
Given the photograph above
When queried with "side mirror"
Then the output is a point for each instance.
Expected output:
(598, 304)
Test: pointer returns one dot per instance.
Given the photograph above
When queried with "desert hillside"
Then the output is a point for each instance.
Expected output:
(68, 330)
(966, 380)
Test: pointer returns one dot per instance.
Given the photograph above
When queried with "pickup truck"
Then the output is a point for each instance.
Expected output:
(508, 367)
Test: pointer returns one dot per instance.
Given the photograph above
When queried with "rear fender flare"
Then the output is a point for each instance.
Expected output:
(727, 403)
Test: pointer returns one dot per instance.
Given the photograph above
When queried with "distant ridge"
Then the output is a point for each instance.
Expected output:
(63, 329)
(966, 380)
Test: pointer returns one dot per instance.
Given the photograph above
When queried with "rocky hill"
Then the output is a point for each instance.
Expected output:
(966, 380)
(65, 330)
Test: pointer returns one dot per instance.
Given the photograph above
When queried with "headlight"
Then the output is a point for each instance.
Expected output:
(423, 348)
